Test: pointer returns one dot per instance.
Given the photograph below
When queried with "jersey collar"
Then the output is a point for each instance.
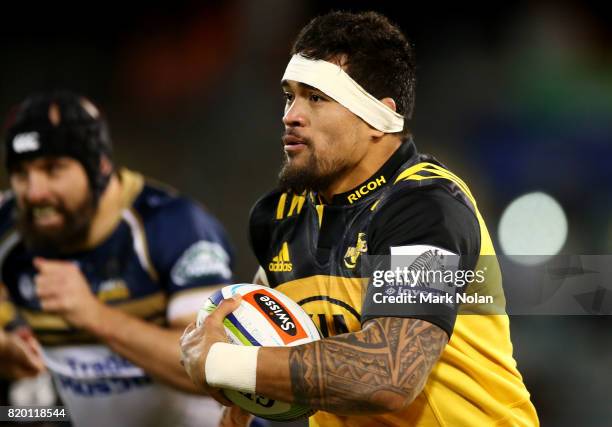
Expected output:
(380, 179)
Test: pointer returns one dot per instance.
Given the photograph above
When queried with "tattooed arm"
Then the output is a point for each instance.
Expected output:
(381, 368)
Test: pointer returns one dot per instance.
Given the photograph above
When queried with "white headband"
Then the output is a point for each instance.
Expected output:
(334, 82)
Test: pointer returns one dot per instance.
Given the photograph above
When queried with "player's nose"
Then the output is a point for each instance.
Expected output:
(295, 115)
(37, 187)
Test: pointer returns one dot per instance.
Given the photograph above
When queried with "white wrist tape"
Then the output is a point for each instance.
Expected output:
(232, 367)
(334, 82)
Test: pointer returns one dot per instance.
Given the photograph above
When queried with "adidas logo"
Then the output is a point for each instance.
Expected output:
(281, 261)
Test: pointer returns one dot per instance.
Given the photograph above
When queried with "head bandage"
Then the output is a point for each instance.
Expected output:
(334, 82)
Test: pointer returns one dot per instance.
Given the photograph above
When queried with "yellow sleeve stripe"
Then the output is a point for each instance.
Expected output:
(457, 181)
(451, 176)
(439, 172)
(430, 167)
(280, 208)
(486, 244)
(410, 171)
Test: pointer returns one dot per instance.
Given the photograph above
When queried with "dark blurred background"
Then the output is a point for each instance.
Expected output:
(515, 98)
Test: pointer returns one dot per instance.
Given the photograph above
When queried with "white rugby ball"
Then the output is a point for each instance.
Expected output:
(265, 317)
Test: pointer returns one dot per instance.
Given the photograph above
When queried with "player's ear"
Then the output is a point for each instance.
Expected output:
(106, 167)
(376, 134)
(389, 102)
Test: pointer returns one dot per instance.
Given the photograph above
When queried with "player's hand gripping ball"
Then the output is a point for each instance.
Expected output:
(265, 317)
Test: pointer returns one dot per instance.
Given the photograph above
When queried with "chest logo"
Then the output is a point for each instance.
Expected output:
(282, 261)
(366, 188)
(201, 259)
(113, 290)
(353, 252)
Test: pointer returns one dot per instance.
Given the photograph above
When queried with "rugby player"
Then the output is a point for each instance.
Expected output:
(354, 185)
(105, 268)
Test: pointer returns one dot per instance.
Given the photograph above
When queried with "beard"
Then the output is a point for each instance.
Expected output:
(316, 174)
(52, 242)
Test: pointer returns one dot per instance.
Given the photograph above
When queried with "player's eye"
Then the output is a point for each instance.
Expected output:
(55, 166)
(288, 97)
(52, 167)
(316, 98)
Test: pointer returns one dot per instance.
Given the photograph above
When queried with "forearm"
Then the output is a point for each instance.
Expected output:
(379, 369)
(154, 349)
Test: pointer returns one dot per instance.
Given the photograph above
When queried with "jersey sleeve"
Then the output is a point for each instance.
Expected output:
(419, 229)
(190, 249)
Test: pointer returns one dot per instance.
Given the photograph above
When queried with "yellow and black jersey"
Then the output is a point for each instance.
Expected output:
(314, 252)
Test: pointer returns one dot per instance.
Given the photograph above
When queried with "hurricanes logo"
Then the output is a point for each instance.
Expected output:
(353, 252)
(281, 262)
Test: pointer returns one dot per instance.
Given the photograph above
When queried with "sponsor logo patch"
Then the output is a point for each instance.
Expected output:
(282, 261)
(366, 189)
(113, 290)
(277, 314)
(201, 259)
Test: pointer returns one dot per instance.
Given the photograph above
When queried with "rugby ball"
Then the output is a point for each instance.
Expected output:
(265, 317)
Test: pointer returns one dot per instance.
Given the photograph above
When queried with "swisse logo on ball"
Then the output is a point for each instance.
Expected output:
(276, 313)
(286, 325)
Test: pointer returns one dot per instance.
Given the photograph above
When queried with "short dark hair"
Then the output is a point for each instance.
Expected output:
(379, 56)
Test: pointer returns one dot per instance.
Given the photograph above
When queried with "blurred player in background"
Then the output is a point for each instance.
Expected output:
(104, 268)
(353, 184)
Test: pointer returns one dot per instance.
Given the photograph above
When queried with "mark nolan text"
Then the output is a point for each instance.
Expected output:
(429, 298)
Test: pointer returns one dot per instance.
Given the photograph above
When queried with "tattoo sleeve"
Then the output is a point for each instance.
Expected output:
(379, 369)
